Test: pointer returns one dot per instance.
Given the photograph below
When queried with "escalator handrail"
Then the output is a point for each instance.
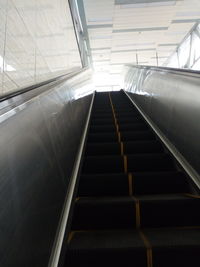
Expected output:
(177, 155)
(56, 250)
(35, 86)
(184, 72)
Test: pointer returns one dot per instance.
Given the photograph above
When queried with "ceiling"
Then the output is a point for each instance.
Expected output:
(135, 31)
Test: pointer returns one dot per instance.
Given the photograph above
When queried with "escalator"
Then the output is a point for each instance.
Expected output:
(135, 206)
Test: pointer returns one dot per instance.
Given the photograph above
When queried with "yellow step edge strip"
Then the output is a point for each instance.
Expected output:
(191, 195)
(125, 164)
(149, 249)
(130, 184)
(70, 236)
(122, 148)
(137, 212)
(119, 136)
(115, 120)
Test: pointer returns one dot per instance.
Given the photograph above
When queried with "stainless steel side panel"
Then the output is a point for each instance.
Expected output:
(39, 138)
(171, 99)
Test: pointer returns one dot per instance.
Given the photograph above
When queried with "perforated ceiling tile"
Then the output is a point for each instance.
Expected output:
(130, 31)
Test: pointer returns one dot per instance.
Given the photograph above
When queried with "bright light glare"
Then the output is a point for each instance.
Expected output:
(107, 80)
(101, 79)
(6, 66)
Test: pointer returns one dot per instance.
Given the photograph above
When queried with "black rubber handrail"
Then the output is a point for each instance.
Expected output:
(35, 86)
(188, 72)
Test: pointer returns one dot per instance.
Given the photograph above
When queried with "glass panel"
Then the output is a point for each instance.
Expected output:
(184, 53)
(195, 51)
(173, 62)
(37, 42)
(57, 49)
(196, 66)
(3, 10)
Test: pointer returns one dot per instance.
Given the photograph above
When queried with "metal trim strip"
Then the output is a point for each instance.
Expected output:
(56, 250)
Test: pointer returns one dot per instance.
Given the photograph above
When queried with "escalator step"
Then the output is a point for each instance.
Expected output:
(103, 137)
(104, 213)
(106, 248)
(102, 128)
(150, 162)
(103, 164)
(159, 183)
(102, 116)
(102, 121)
(169, 210)
(136, 135)
(133, 127)
(103, 149)
(124, 110)
(129, 120)
(174, 247)
(135, 147)
(131, 206)
(131, 114)
(103, 185)
(142, 184)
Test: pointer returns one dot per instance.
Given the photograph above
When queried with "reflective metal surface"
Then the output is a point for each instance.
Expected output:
(171, 100)
(39, 138)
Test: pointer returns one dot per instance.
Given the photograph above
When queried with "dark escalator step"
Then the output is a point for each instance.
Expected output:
(102, 116)
(136, 135)
(100, 111)
(103, 149)
(102, 128)
(142, 146)
(133, 127)
(169, 210)
(103, 137)
(129, 120)
(102, 122)
(174, 247)
(159, 183)
(104, 213)
(150, 162)
(124, 111)
(103, 164)
(103, 185)
(106, 248)
(128, 116)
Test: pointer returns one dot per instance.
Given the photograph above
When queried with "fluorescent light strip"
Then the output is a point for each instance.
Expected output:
(96, 26)
(158, 57)
(136, 44)
(167, 44)
(100, 48)
(143, 5)
(103, 60)
(133, 50)
(134, 2)
(188, 13)
(184, 21)
(101, 37)
(141, 29)
(100, 20)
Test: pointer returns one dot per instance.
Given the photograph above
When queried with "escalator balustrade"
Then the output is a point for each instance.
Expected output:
(134, 205)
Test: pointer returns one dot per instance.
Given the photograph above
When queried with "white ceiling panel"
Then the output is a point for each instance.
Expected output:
(150, 30)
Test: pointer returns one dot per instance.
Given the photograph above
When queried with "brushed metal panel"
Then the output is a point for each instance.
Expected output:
(171, 99)
(39, 139)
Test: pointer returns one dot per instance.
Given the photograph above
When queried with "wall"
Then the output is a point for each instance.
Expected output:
(37, 42)
(171, 99)
(39, 135)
